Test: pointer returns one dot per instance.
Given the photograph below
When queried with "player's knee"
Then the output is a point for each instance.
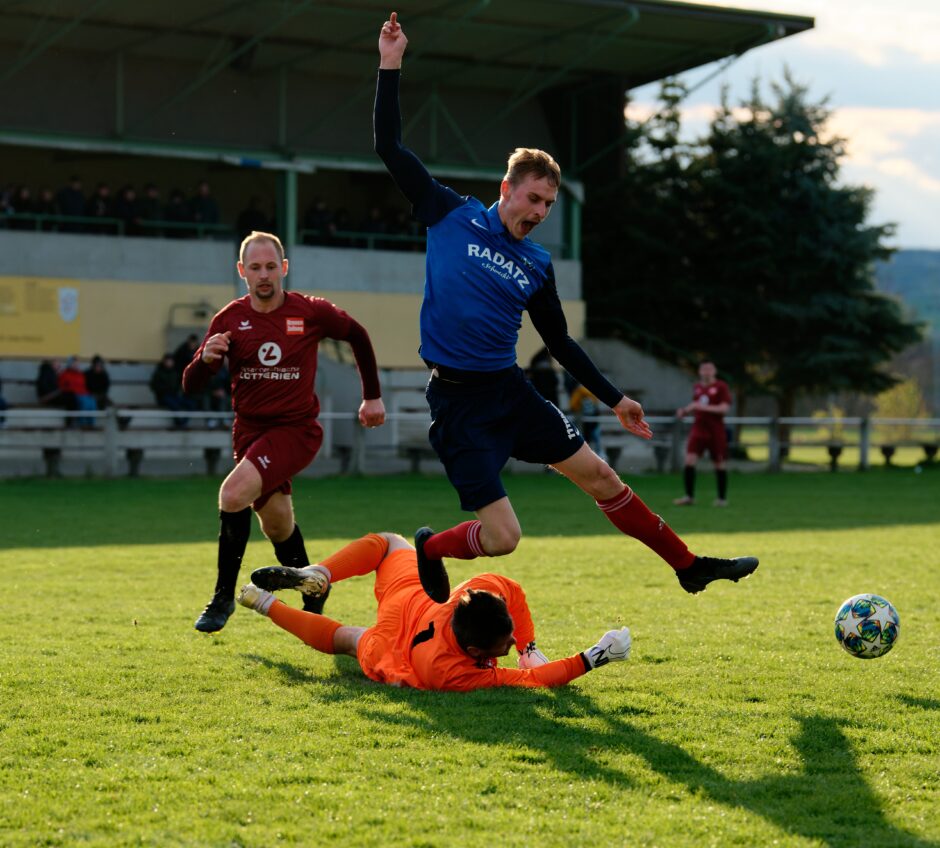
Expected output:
(604, 482)
(232, 498)
(277, 528)
(502, 540)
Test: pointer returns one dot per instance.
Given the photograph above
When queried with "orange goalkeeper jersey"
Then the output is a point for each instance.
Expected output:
(413, 644)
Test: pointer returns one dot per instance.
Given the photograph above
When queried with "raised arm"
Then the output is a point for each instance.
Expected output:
(430, 200)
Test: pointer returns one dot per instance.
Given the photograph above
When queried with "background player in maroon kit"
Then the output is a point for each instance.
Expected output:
(711, 400)
(270, 338)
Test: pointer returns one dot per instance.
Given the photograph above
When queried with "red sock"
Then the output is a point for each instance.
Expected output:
(631, 516)
(316, 630)
(460, 542)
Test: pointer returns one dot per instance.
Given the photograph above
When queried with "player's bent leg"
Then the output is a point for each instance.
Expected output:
(721, 482)
(277, 523)
(317, 631)
(346, 639)
(688, 480)
(431, 571)
(276, 515)
(499, 528)
(240, 488)
(624, 508)
(234, 532)
(590, 474)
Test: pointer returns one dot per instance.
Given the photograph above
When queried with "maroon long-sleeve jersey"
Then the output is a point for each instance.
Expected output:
(272, 357)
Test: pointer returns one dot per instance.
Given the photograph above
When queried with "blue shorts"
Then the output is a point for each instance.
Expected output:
(476, 428)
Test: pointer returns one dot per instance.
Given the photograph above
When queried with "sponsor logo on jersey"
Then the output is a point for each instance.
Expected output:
(245, 325)
(476, 223)
(263, 461)
(269, 374)
(295, 326)
(269, 353)
(496, 263)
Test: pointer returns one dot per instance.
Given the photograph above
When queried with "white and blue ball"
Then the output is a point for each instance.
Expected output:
(867, 626)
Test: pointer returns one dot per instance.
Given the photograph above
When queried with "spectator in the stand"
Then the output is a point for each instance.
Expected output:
(404, 225)
(341, 227)
(373, 224)
(98, 382)
(45, 205)
(168, 391)
(127, 209)
(101, 205)
(252, 219)
(70, 200)
(22, 204)
(177, 211)
(6, 205)
(183, 354)
(318, 221)
(543, 376)
(3, 406)
(218, 397)
(203, 207)
(48, 392)
(75, 391)
(149, 208)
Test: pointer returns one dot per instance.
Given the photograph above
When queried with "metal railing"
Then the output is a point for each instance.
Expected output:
(774, 444)
(91, 225)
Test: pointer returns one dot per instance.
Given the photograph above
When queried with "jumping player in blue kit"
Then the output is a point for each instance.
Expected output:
(482, 273)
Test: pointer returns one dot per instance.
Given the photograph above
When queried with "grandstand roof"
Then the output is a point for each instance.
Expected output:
(510, 51)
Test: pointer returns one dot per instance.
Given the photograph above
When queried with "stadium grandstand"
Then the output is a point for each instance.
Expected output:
(139, 141)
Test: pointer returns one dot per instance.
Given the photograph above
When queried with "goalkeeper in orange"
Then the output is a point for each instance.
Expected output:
(416, 642)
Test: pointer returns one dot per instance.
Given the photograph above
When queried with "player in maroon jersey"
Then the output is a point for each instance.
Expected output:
(270, 338)
(711, 400)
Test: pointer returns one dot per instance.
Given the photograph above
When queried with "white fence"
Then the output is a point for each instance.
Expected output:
(117, 441)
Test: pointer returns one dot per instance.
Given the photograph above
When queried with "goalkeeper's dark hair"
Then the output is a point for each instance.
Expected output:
(480, 619)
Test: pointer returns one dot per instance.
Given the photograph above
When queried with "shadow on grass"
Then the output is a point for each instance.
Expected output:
(826, 800)
(73, 512)
(921, 703)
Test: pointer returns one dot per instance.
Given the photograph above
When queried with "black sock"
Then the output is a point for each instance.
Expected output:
(315, 604)
(688, 475)
(292, 551)
(234, 530)
(722, 477)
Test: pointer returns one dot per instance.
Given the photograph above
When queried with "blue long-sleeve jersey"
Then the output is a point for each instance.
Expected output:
(479, 279)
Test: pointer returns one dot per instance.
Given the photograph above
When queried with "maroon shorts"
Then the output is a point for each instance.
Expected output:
(278, 452)
(712, 440)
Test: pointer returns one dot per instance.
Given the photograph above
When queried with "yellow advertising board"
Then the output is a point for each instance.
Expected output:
(39, 316)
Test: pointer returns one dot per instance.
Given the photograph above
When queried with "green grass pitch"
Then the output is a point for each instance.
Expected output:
(738, 721)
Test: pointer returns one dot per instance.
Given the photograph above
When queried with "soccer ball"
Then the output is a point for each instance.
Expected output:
(867, 626)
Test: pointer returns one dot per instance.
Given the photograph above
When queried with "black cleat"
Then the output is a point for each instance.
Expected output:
(704, 570)
(309, 580)
(217, 612)
(314, 603)
(432, 573)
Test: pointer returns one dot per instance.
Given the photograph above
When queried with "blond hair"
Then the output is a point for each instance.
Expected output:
(257, 235)
(529, 160)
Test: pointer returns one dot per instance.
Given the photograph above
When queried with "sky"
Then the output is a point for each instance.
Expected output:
(878, 63)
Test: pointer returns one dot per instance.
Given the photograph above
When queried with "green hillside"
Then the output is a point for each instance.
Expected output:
(914, 276)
